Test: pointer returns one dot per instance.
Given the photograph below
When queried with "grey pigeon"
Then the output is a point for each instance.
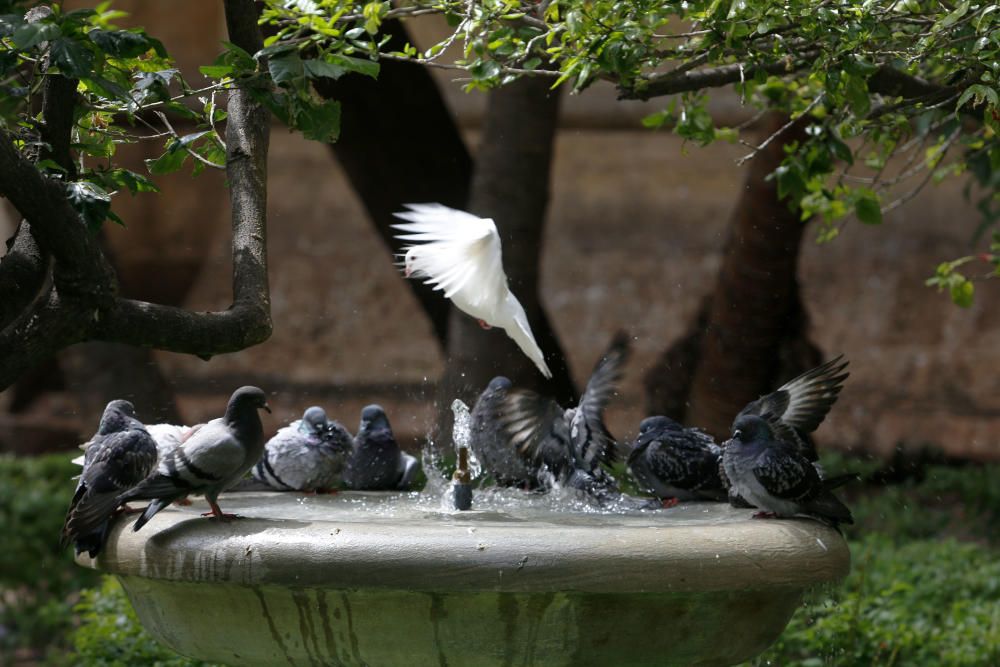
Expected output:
(377, 463)
(795, 410)
(211, 460)
(676, 463)
(571, 444)
(307, 455)
(774, 476)
(799, 406)
(490, 443)
(119, 456)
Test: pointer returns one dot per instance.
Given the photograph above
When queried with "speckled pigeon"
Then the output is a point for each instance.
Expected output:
(676, 463)
(799, 406)
(459, 254)
(377, 463)
(210, 461)
(307, 455)
(550, 438)
(119, 456)
(774, 476)
(167, 437)
(491, 444)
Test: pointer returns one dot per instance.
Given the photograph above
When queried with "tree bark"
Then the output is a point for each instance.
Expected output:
(400, 144)
(511, 185)
(751, 333)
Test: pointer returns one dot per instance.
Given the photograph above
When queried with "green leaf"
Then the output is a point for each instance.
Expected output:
(981, 93)
(316, 68)
(359, 65)
(32, 34)
(841, 150)
(962, 292)
(121, 43)
(320, 122)
(72, 58)
(285, 68)
(172, 160)
(867, 208)
(90, 201)
(216, 71)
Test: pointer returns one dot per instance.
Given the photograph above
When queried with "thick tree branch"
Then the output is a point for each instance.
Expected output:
(57, 128)
(81, 269)
(248, 321)
(22, 271)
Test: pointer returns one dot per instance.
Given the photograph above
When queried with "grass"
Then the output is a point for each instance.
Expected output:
(924, 587)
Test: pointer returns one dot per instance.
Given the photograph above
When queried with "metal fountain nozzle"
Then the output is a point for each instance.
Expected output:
(462, 481)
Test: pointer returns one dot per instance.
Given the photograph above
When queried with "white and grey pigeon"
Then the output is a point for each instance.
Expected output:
(119, 456)
(571, 444)
(459, 253)
(167, 437)
(676, 463)
(211, 460)
(377, 463)
(776, 477)
(307, 455)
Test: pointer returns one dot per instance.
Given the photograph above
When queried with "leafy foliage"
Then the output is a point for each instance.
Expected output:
(111, 635)
(38, 581)
(895, 95)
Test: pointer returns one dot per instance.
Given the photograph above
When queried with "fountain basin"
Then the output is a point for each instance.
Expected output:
(388, 579)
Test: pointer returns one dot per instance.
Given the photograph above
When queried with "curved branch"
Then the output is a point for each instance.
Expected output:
(22, 272)
(671, 83)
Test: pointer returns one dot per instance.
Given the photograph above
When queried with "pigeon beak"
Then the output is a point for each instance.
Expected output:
(267, 407)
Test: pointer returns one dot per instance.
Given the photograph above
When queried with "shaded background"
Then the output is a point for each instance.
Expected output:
(636, 227)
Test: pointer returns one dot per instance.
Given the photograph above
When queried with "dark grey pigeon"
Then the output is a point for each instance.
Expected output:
(564, 442)
(799, 406)
(675, 463)
(490, 443)
(119, 456)
(211, 459)
(774, 476)
(307, 455)
(377, 463)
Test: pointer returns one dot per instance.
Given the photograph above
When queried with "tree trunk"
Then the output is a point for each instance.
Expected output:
(511, 185)
(399, 144)
(750, 335)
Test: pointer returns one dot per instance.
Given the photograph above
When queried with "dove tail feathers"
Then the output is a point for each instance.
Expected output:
(520, 333)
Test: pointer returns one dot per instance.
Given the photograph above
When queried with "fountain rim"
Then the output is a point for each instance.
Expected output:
(463, 555)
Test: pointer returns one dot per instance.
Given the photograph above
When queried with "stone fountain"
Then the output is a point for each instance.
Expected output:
(522, 579)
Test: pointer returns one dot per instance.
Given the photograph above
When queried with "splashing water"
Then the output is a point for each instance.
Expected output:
(462, 436)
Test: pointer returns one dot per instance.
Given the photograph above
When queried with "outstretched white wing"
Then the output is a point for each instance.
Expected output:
(459, 253)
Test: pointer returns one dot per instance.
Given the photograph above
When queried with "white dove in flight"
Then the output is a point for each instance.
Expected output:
(459, 254)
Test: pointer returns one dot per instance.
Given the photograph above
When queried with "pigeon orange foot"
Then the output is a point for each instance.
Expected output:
(670, 502)
(764, 515)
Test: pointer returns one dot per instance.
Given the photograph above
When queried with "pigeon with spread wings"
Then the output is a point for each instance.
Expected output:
(459, 253)
(570, 443)
(799, 406)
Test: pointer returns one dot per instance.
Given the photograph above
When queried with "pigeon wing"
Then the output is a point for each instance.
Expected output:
(455, 252)
(802, 403)
(592, 442)
(535, 427)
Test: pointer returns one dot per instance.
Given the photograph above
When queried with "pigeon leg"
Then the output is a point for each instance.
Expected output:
(125, 509)
(764, 515)
(183, 502)
(670, 502)
(218, 513)
(484, 324)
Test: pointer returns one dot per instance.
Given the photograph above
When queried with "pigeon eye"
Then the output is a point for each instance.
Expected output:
(738, 434)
